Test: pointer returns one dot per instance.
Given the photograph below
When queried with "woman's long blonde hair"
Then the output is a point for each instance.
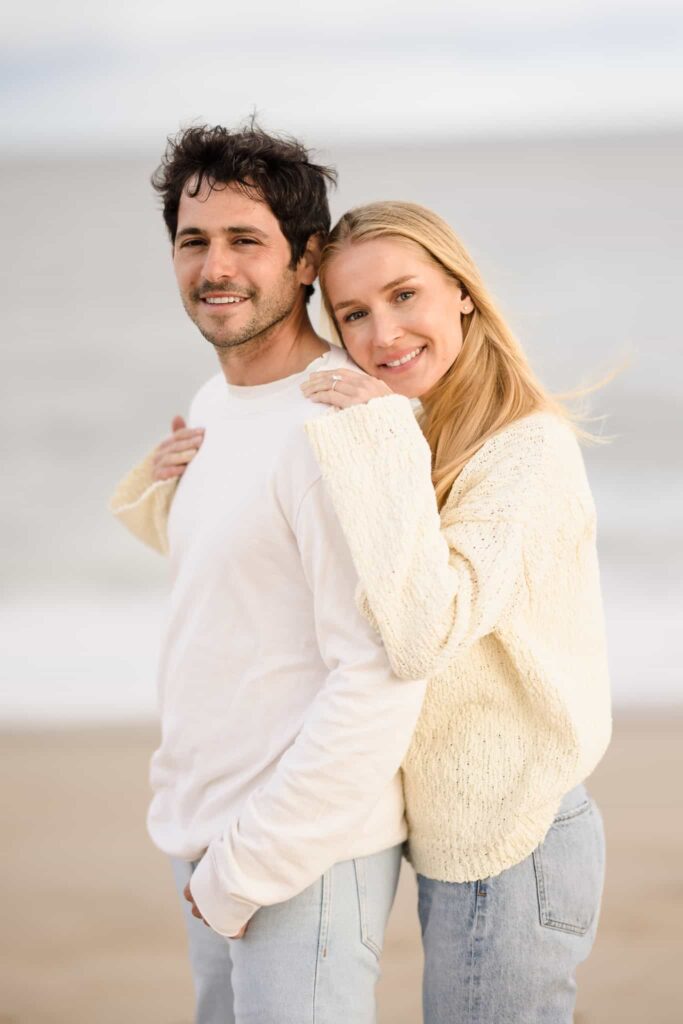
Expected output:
(490, 384)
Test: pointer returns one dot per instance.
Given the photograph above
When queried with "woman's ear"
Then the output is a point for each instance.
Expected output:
(466, 304)
(308, 265)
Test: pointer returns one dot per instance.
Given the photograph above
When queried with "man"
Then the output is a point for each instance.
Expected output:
(276, 787)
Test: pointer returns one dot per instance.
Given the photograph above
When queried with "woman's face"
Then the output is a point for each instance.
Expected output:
(398, 313)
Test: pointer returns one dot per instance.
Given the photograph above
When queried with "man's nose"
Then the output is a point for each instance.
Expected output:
(219, 262)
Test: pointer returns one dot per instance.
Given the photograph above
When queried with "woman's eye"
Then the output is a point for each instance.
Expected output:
(402, 296)
(356, 315)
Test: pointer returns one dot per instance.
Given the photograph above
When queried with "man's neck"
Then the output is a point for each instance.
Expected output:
(286, 350)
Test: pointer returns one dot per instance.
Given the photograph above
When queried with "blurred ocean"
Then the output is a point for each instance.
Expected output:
(579, 239)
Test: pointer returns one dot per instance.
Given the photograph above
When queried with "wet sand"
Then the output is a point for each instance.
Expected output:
(92, 933)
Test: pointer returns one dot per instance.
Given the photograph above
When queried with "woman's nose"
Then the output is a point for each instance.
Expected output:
(386, 331)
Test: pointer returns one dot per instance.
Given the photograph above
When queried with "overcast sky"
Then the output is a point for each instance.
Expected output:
(94, 74)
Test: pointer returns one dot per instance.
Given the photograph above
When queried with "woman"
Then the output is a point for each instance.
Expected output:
(472, 529)
(473, 534)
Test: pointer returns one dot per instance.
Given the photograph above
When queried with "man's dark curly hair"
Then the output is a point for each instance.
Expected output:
(275, 168)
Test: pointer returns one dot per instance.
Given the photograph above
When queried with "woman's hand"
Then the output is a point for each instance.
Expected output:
(342, 388)
(175, 452)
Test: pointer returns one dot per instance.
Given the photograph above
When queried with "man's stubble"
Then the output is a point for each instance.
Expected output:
(267, 316)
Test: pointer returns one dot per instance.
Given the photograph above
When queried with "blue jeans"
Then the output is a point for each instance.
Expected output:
(313, 959)
(504, 950)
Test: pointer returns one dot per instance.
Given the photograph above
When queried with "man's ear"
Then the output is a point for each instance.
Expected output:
(307, 268)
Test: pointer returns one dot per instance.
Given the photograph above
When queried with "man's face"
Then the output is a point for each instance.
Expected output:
(232, 264)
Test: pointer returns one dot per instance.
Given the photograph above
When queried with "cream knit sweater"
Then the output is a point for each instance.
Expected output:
(496, 600)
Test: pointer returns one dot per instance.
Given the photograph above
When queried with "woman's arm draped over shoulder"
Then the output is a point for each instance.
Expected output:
(141, 503)
(431, 584)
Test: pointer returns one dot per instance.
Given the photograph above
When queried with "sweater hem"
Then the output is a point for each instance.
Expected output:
(454, 865)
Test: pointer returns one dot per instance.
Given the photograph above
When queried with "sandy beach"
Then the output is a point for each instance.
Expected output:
(92, 933)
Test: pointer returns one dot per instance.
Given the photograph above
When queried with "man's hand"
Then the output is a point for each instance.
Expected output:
(196, 913)
(176, 451)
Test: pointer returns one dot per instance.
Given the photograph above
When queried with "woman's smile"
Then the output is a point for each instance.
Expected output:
(402, 362)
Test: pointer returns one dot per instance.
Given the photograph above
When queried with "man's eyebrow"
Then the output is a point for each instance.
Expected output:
(234, 229)
(246, 229)
(385, 288)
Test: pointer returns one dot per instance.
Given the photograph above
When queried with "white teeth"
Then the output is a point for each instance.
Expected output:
(223, 300)
(405, 359)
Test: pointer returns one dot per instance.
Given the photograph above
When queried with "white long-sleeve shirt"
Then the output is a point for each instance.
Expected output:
(283, 727)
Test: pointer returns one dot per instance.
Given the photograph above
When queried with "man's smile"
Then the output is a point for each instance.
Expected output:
(219, 300)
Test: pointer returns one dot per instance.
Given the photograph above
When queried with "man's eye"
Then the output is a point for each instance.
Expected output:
(245, 241)
(356, 315)
(191, 243)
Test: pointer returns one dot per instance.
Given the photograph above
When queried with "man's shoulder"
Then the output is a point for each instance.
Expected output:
(338, 356)
(206, 395)
(334, 359)
(300, 409)
(296, 468)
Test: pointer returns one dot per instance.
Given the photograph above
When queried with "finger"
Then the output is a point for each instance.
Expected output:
(342, 372)
(324, 380)
(345, 387)
(335, 398)
(360, 387)
(177, 423)
(182, 436)
(179, 458)
(172, 464)
(186, 444)
(168, 473)
(321, 380)
(171, 445)
(186, 434)
(169, 459)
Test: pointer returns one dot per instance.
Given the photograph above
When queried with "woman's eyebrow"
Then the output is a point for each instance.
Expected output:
(385, 288)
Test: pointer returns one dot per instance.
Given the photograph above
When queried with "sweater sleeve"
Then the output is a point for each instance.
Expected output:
(431, 583)
(343, 763)
(141, 503)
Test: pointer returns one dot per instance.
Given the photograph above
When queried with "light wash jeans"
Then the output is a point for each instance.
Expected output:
(311, 960)
(504, 950)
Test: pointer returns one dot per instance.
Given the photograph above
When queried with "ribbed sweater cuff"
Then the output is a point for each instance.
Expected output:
(381, 422)
(141, 503)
